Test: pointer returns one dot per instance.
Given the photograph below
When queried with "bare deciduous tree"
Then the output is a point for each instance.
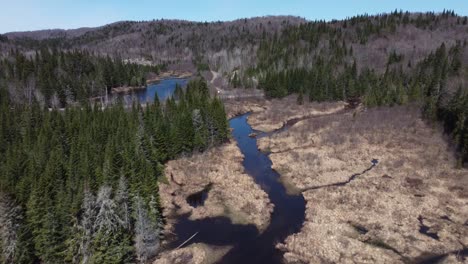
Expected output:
(87, 225)
(146, 232)
(10, 219)
(123, 202)
(107, 218)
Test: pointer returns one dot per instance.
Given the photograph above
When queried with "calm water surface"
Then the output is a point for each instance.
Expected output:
(164, 89)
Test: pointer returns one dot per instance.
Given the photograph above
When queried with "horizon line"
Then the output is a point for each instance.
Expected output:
(233, 20)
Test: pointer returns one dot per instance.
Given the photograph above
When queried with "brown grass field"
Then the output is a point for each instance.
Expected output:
(193, 254)
(377, 217)
(268, 115)
(220, 166)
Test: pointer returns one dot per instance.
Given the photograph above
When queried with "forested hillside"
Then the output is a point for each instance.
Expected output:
(160, 40)
(282, 41)
(81, 186)
(57, 77)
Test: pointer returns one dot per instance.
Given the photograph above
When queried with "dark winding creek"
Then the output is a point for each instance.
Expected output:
(249, 246)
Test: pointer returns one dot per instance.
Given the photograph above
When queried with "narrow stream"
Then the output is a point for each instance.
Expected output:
(248, 245)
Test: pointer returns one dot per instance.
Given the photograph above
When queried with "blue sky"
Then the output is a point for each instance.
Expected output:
(21, 15)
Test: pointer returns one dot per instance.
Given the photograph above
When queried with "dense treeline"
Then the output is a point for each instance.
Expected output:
(81, 185)
(357, 39)
(305, 45)
(325, 81)
(61, 77)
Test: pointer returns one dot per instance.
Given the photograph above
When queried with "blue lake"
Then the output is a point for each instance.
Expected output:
(164, 89)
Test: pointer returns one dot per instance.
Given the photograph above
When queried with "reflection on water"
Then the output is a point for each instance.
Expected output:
(164, 89)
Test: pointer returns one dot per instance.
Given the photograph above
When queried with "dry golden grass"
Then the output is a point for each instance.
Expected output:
(233, 194)
(193, 254)
(238, 107)
(268, 115)
(415, 177)
(279, 111)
